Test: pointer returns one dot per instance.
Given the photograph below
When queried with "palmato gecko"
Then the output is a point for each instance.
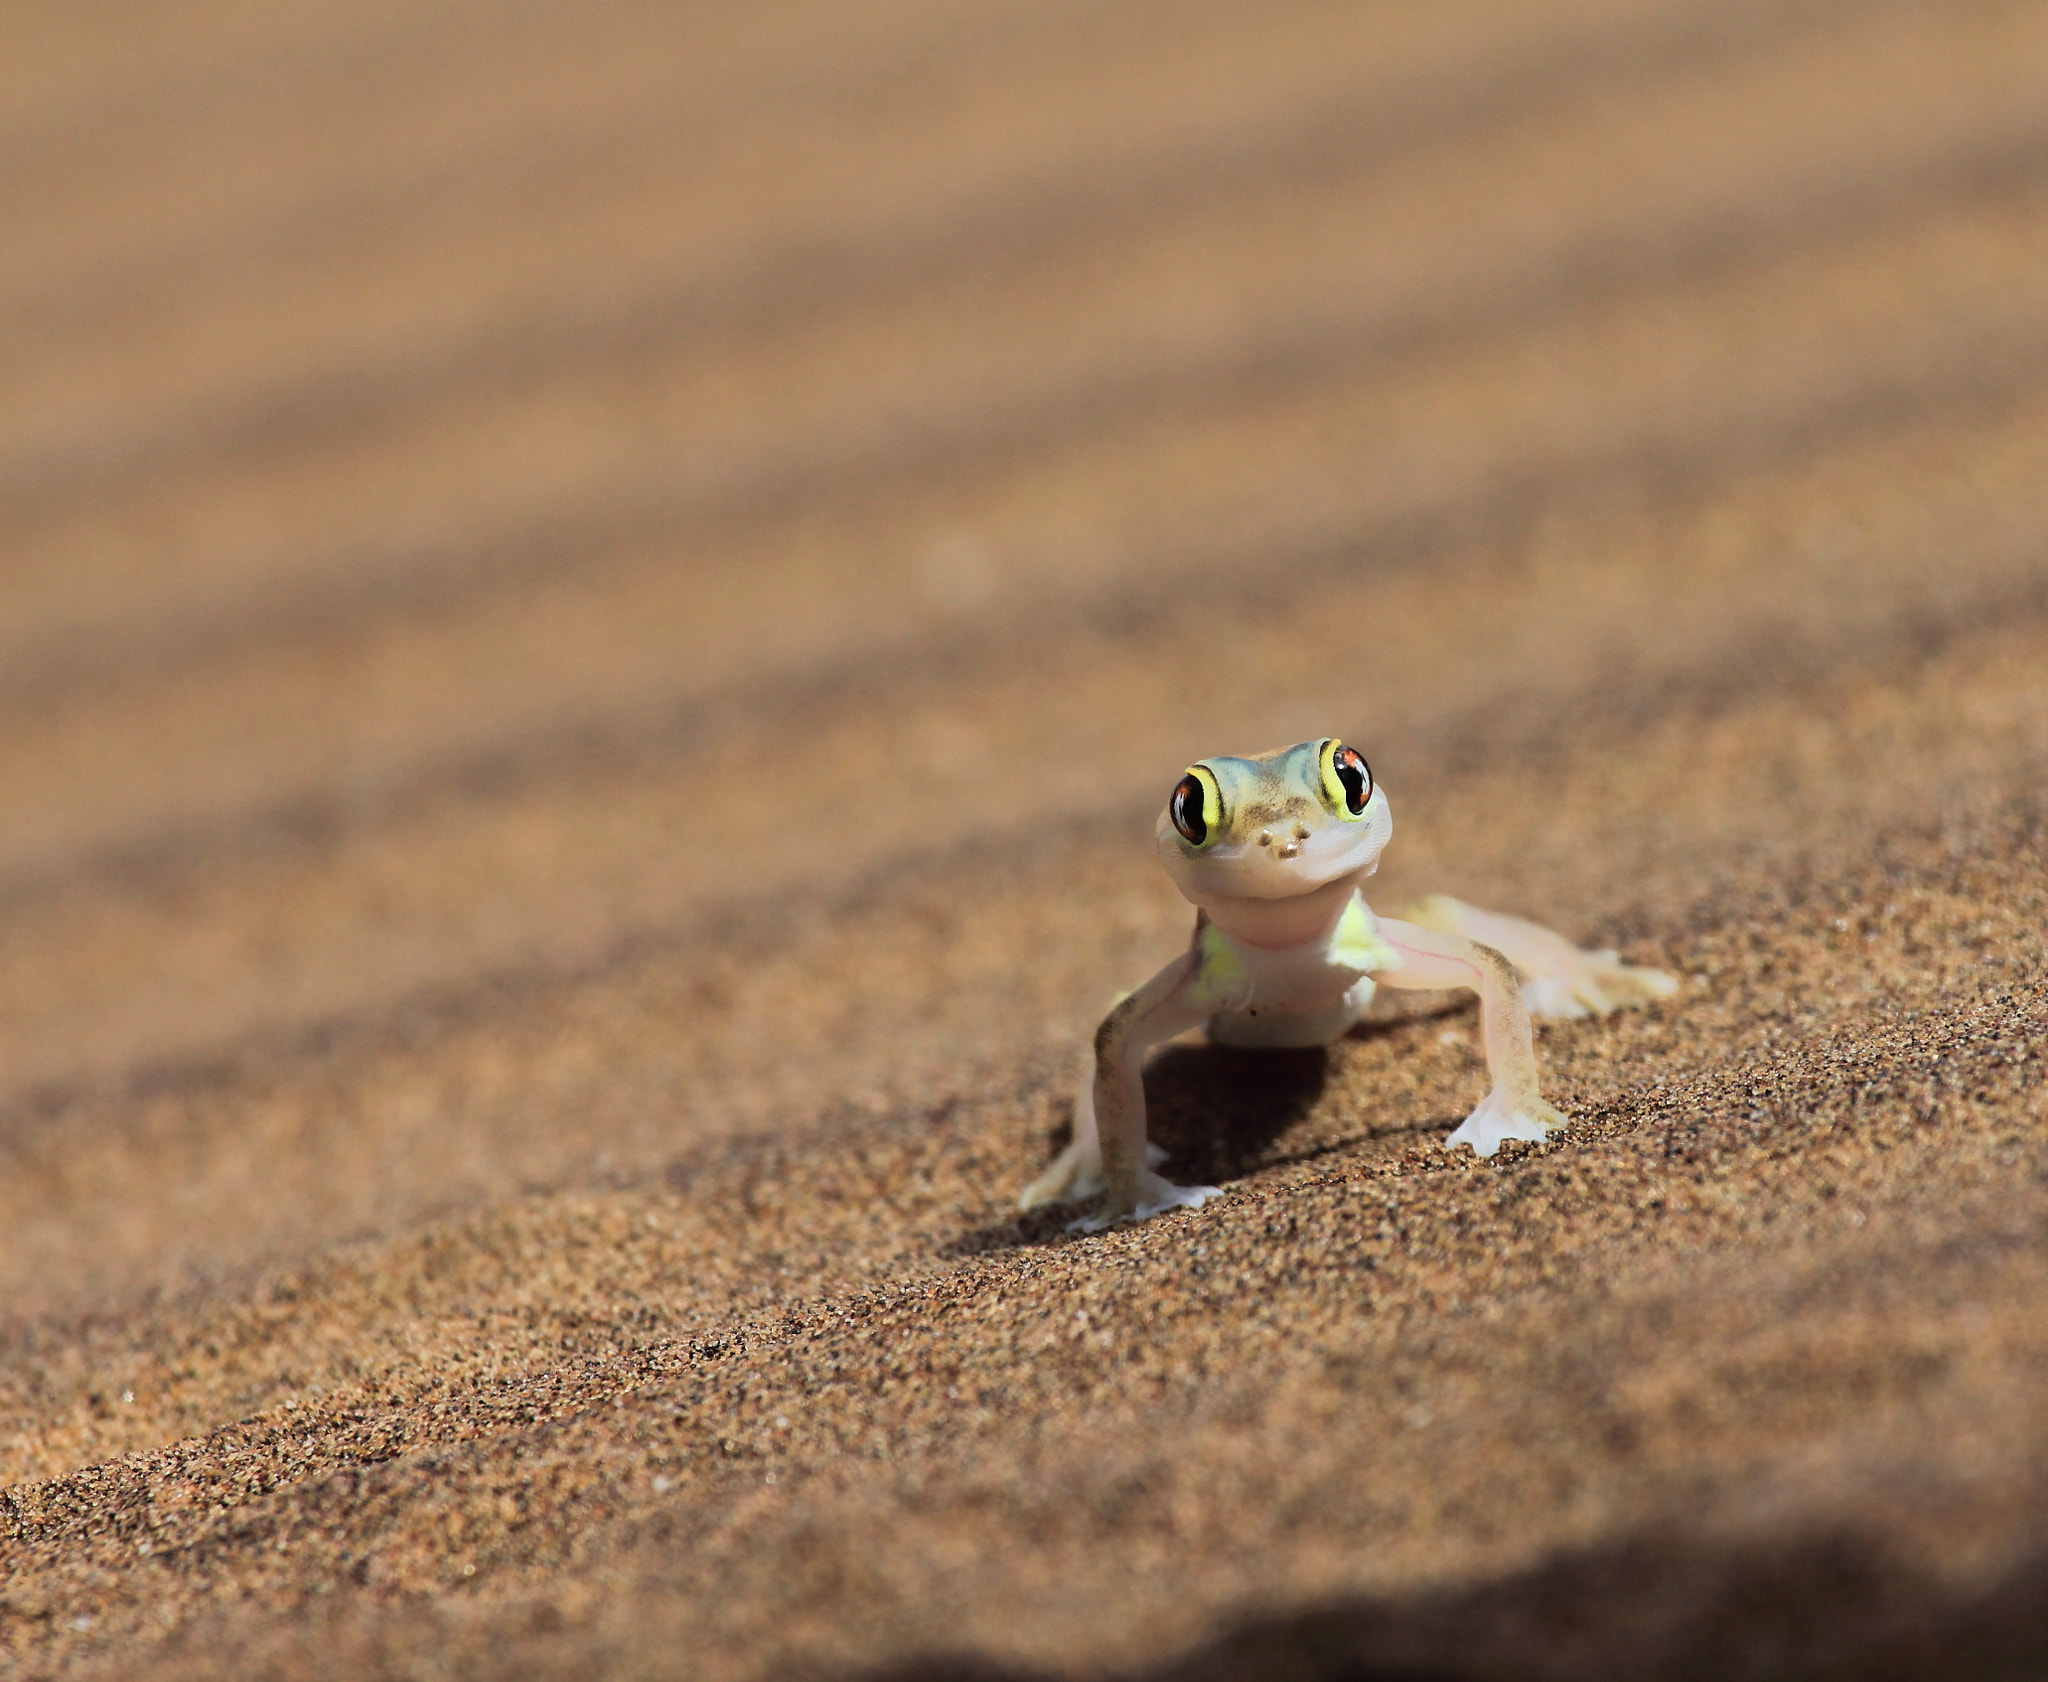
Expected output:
(1271, 850)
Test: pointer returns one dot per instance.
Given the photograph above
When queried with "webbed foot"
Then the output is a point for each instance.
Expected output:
(1501, 1117)
(1155, 1197)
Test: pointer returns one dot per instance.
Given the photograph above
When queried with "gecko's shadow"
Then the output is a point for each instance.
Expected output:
(1214, 1111)
(1217, 1112)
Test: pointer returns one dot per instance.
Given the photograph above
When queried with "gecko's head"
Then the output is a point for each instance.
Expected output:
(1274, 825)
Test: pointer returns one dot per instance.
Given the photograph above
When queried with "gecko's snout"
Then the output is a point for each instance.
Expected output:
(1291, 847)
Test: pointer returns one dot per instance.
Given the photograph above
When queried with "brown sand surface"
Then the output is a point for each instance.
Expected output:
(597, 605)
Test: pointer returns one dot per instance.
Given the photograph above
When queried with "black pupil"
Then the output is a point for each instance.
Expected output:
(1187, 809)
(1356, 776)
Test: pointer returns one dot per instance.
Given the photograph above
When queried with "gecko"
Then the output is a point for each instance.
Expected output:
(1271, 849)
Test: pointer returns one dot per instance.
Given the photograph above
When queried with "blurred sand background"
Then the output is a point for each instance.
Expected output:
(597, 602)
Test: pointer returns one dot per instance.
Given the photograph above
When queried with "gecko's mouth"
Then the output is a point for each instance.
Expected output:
(1275, 872)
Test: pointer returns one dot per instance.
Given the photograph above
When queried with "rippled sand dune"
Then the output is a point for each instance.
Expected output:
(597, 605)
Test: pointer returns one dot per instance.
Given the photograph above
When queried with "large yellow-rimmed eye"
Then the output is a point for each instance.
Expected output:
(1196, 806)
(1347, 780)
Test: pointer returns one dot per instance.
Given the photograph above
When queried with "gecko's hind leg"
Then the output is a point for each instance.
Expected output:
(1558, 978)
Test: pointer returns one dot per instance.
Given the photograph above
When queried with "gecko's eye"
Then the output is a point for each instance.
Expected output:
(1196, 807)
(1347, 779)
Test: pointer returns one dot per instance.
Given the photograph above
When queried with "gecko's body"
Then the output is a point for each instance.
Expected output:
(1272, 851)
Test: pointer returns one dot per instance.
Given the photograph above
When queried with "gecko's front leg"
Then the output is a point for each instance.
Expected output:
(1166, 1005)
(1514, 1108)
(1076, 1173)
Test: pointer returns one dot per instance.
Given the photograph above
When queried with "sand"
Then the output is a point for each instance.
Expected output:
(598, 606)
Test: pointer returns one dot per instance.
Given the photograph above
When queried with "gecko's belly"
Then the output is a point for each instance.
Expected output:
(1296, 996)
(1291, 1000)
(1272, 1028)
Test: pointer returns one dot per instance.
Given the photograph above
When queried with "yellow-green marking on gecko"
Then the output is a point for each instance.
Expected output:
(1220, 974)
(1272, 850)
(1358, 944)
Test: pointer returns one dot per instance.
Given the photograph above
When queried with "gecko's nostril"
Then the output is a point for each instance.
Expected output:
(1301, 832)
(1265, 840)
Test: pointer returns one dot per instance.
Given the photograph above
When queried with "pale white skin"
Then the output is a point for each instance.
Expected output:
(1287, 953)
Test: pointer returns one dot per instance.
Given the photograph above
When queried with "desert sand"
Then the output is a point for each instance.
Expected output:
(597, 607)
